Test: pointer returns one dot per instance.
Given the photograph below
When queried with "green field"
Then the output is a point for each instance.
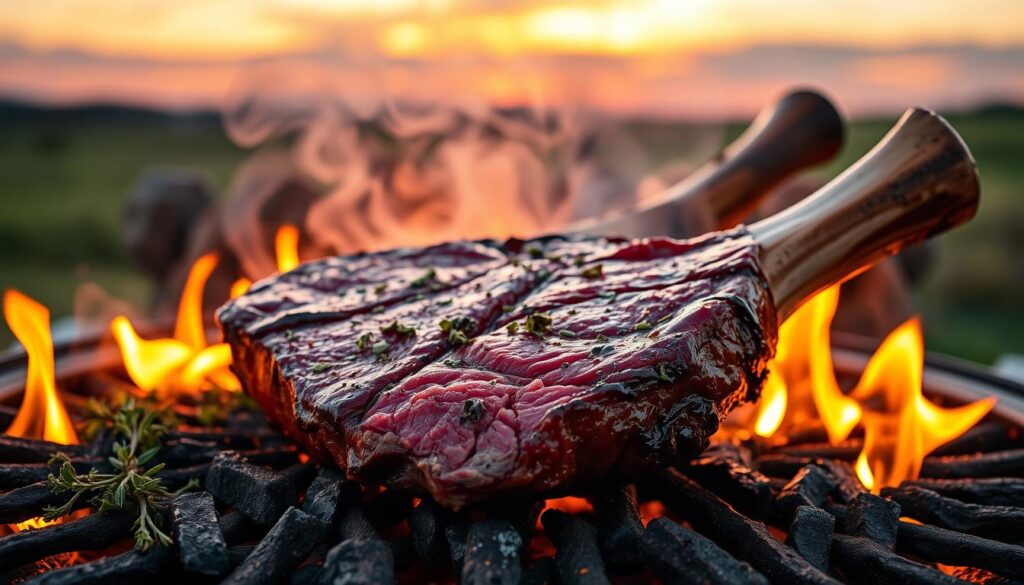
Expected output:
(64, 176)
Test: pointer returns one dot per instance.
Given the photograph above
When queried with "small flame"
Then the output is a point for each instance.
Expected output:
(286, 250)
(42, 414)
(801, 387)
(286, 247)
(184, 363)
(772, 407)
(239, 287)
(901, 426)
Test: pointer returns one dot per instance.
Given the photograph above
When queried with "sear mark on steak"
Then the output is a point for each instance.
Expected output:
(430, 368)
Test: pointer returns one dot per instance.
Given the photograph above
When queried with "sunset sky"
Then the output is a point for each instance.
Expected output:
(689, 57)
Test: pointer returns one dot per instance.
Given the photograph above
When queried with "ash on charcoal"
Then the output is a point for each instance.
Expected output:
(679, 555)
(873, 517)
(577, 557)
(810, 535)
(492, 554)
(281, 550)
(261, 494)
(201, 545)
(359, 562)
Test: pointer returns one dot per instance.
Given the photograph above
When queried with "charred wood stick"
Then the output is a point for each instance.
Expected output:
(94, 532)
(281, 550)
(359, 562)
(954, 548)
(238, 553)
(237, 527)
(810, 486)
(19, 450)
(679, 555)
(329, 494)
(201, 545)
(847, 451)
(127, 568)
(355, 524)
(1000, 522)
(723, 470)
(261, 494)
(426, 526)
(492, 554)
(747, 539)
(455, 533)
(619, 527)
(16, 475)
(995, 491)
(862, 560)
(780, 465)
(810, 535)
(577, 556)
(1008, 463)
(848, 486)
(22, 503)
(177, 477)
(873, 517)
(982, 438)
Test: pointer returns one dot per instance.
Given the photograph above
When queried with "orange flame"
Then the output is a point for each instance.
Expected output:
(286, 250)
(42, 414)
(184, 363)
(900, 425)
(286, 247)
(801, 387)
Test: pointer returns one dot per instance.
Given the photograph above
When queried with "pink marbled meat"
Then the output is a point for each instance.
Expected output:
(641, 362)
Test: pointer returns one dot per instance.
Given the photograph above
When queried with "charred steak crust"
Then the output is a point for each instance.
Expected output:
(474, 369)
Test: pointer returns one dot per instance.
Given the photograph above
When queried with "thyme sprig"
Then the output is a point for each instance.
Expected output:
(130, 485)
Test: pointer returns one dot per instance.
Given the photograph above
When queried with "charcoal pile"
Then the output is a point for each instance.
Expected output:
(258, 511)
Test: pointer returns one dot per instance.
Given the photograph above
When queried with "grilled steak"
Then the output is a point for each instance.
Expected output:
(479, 368)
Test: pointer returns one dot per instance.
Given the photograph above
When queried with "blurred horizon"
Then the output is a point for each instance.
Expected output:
(694, 59)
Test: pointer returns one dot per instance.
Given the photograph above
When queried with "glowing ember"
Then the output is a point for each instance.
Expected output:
(184, 363)
(900, 425)
(801, 388)
(286, 247)
(42, 414)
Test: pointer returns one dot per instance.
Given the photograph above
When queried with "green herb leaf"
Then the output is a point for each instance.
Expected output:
(398, 328)
(642, 326)
(429, 276)
(512, 327)
(538, 324)
(595, 271)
